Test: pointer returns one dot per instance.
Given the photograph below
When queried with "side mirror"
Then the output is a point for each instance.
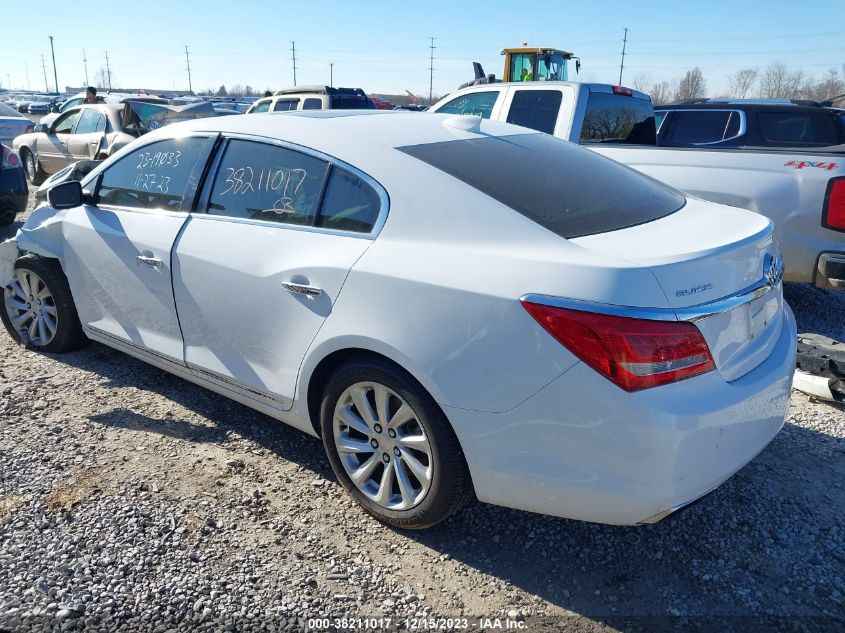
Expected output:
(66, 195)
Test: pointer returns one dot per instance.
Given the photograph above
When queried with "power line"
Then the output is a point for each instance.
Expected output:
(431, 72)
(188, 62)
(293, 57)
(622, 65)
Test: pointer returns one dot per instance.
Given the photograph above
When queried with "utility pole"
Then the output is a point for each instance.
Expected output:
(44, 68)
(622, 65)
(331, 74)
(188, 61)
(85, 63)
(26, 70)
(431, 72)
(55, 75)
(293, 57)
(108, 69)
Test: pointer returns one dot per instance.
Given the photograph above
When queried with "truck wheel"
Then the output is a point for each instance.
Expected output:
(38, 307)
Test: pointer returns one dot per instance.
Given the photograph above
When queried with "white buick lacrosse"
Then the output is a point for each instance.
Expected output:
(454, 306)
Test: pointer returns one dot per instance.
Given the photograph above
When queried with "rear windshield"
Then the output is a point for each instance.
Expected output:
(6, 110)
(351, 102)
(560, 186)
(612, 118)
(801, 128)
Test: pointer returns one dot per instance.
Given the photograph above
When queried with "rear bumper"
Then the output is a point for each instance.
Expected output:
(830, 271)
(13, 191)
(583, 449)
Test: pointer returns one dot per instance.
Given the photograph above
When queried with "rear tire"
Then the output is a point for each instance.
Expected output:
(410, 470)
(39, 301)
(34, 174)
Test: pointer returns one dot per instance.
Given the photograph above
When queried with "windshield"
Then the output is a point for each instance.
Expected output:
(560, 186)
(6, 110)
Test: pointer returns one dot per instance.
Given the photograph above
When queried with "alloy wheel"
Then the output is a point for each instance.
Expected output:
(30, 166)
(382, 445)
(31, 308)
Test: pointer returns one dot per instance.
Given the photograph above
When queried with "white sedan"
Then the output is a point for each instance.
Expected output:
(454, 306)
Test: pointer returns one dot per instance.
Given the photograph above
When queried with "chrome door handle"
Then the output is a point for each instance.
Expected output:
(302, 289)
(154, 262)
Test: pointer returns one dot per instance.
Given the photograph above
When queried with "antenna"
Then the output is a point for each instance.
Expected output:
(44, 68)
(85, 63)
(622, 65)
(431, 71)
(331, 74)
(293, 57)
(188, 62)
(108, 69)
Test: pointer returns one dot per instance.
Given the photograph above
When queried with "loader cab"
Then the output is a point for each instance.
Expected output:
(537, 64)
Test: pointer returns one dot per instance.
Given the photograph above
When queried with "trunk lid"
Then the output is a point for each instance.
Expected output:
(708, 254)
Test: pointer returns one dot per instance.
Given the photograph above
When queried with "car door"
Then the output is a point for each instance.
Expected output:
(88, 135)
(117, 253)
(256, 275)
(52, 150)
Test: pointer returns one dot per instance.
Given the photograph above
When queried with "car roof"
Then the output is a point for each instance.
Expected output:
(355, 136)
(539, 85)
(747, 106)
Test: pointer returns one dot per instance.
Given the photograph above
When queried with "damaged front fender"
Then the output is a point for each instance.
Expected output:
(42, 234)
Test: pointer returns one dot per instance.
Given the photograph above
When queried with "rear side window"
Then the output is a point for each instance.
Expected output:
(350, 204)
(267, 182)
(283, 105)
(91, 121)
(351, 102)
(536, 109)
(800, 128)
(703, 126)
(564, 188)
(612, 118)
(312, 104)
(156, 176)
(476, 103)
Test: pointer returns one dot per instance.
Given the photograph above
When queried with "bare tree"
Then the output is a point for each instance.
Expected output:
(660, 93)
(778, 82)
(691, 86)
(642, 82)
(102, 80)
(829, 86)
(742, 81)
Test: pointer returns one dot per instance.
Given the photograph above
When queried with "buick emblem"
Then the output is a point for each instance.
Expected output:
(773, 268)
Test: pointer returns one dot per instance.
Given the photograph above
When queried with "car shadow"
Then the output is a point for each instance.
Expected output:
(704, 565)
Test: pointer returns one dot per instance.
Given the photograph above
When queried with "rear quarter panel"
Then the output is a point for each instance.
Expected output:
(787, 188)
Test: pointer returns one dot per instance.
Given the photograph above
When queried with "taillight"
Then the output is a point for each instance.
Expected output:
(9, 158)
(632, 353)
(29, 128)
(622, 90)
(834, 205)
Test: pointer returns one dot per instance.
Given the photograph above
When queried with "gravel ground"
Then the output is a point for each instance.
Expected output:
(131, 500)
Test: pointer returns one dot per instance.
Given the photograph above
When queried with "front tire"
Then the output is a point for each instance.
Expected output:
(39, 304)
(34, 174)
(391, 446)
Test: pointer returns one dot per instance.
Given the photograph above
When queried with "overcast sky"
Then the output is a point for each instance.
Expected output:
(383, 47)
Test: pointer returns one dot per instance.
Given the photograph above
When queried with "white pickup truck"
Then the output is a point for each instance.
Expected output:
(802, 191)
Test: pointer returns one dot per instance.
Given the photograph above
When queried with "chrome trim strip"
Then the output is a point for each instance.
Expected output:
(117, 341)
(235, 384)
(691, 313)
